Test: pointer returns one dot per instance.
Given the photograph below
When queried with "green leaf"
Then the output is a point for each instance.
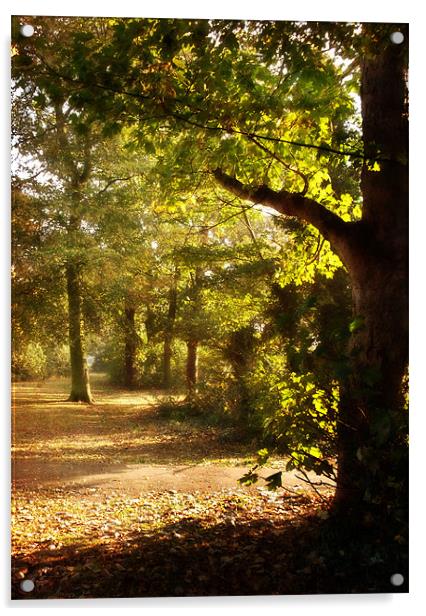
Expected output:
(262, 456)
(357, 324)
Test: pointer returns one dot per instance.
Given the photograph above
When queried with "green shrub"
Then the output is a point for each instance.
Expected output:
(58, 361)
(30, 363)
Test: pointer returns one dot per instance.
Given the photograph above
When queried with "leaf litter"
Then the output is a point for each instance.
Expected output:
(77, 545)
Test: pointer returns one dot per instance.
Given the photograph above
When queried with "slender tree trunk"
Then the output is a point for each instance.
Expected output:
(239, 352)
(130, 346)
(78, 175)
(167, 361)
(192, 365)
(245, 403)
(168, 336)
(149, 323)
(80, 386)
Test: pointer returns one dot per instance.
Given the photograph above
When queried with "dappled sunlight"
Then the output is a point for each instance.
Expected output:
(53, 393)
(55, 440)
(133, 398)
(82, 544)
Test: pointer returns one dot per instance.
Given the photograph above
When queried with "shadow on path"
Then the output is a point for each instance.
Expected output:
(305, 556)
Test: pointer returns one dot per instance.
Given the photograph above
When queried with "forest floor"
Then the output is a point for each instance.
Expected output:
(114, 500)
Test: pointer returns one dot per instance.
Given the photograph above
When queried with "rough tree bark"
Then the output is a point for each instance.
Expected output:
(80, 387)
(372, 415)
(375, 253)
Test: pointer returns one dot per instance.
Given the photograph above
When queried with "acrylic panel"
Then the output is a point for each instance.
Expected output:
(210, 307)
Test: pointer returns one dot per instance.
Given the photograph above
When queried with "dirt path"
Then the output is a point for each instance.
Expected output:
(119, 444)
(137, 479)
(114, 500)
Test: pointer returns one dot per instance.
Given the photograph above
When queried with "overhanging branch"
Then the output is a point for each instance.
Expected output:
(359, 155)
(331, 226)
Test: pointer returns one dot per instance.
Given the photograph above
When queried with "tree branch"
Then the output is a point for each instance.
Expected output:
(113, 181)
(318, 249)
(252, 233)
(223, 220)
(63, 139)
(282, 162)
(299, 144)
(331, 226)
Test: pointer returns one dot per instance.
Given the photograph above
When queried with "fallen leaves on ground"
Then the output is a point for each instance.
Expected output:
(121, 428)
(74, 544)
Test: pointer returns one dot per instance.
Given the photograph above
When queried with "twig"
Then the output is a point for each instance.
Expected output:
(312, 485)
(318, 249)
(217, 224)
(110, 182)
(282, 162)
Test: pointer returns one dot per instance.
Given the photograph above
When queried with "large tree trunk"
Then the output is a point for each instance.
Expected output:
(80, 386)
(372, 419)
(372, 424)
(192, 365)
(130, 346)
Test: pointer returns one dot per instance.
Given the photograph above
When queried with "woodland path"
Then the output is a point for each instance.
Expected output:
(100, 491)
(120, 444)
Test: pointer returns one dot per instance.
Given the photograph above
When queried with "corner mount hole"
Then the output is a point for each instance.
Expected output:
(27, 30)
(27, 585)
(397, 38)
(397, 579)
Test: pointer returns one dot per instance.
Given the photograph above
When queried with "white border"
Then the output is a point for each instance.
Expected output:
(325, 10)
